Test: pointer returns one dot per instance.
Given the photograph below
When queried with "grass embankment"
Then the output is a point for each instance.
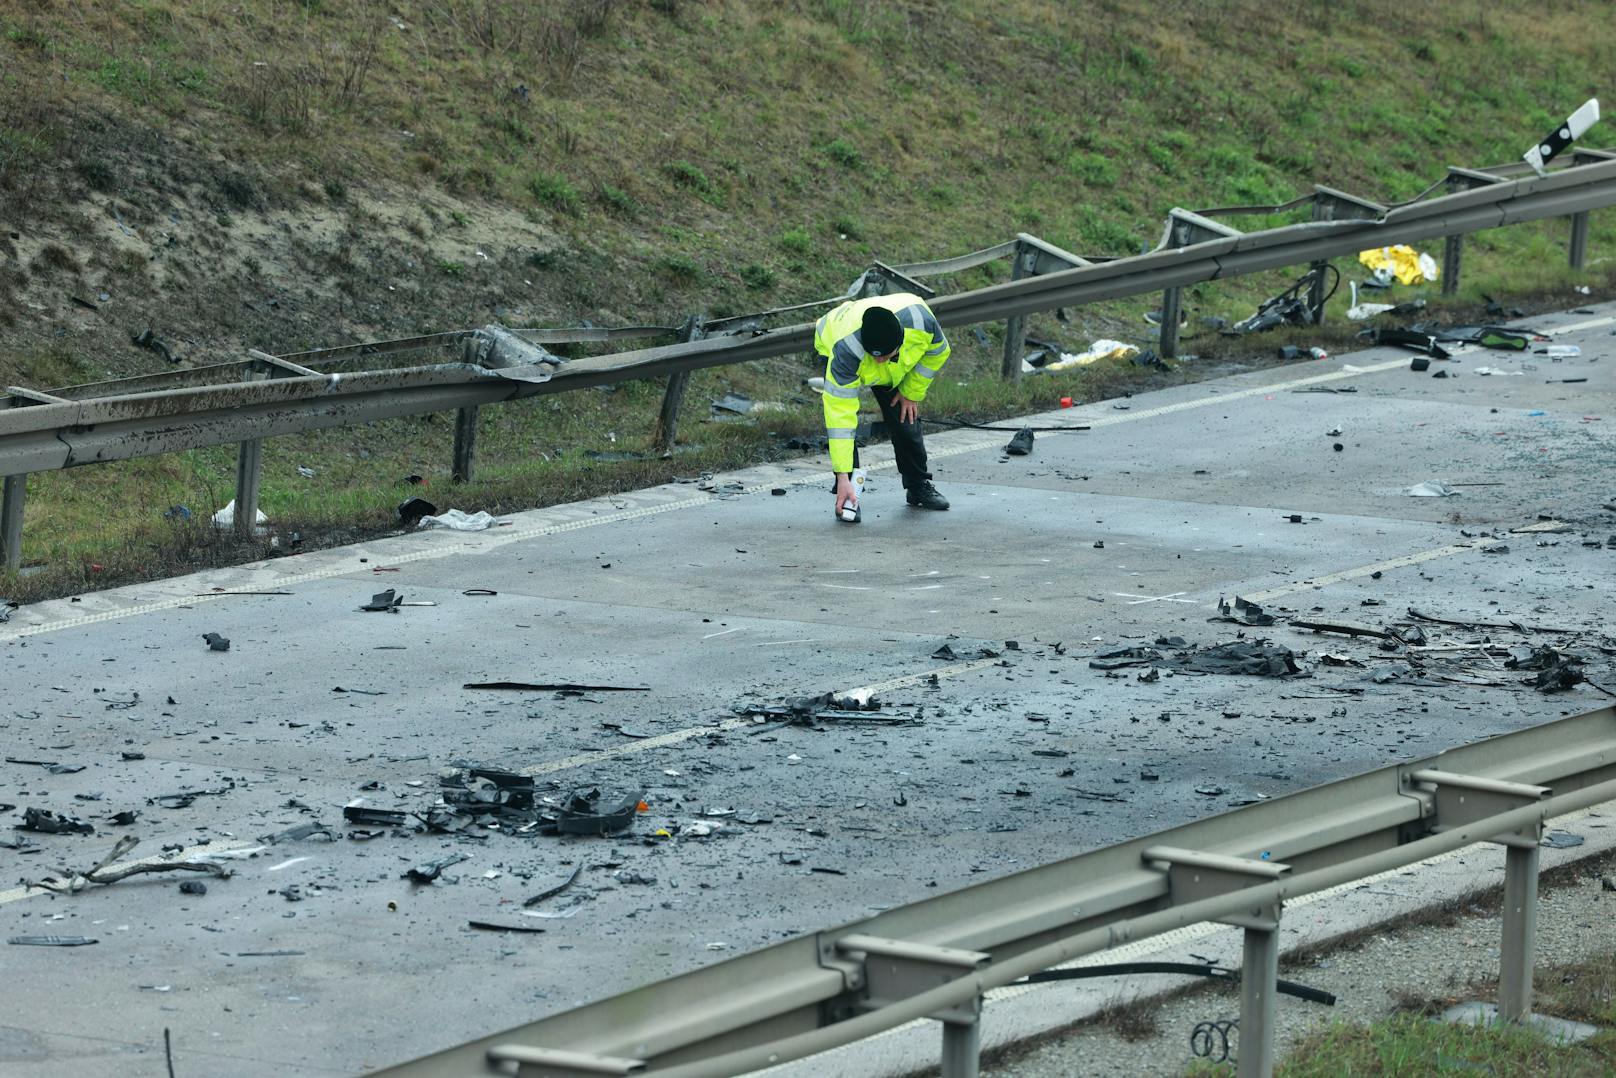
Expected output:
(290, 175)
(1411, 1044)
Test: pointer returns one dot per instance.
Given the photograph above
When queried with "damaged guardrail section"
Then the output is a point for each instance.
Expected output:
(936, 958)
(267, 396)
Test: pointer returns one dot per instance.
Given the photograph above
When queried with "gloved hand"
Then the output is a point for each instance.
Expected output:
(845, 491)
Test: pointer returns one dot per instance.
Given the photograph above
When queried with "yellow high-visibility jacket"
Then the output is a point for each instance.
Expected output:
(848, 366)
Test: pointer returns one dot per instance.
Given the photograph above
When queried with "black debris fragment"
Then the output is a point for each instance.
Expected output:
(216, 642)
(557, 889)
(595, 813)
(411, 511)
(1557, 672)
(152, 343)
(1345, 628)
(1020, 443)
(1408, 338)
(430, 870)
(1242, 612)
(193, 887)
(1258, 658)
(49, 823)
(384, 602)
(1117, 658)
(373, 816)
(490, 926)
(826, 707)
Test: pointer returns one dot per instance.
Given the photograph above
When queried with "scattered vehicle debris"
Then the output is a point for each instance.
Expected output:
(490, 926)
(51, 941)
(361, 814)
(1514, 625)
(1292, 306)
(152, 343)
(384, 602)
(102, 873)
(1345, 628)
(49, 823)
(594, 813)
(732, 404)
(1020, 443)
(1557, 672)
(557, 686)
(300, 832)
(557, 889)
(216, 642)
(1242, 612)
(1407, 338)
(826, 707)
(1254, 657)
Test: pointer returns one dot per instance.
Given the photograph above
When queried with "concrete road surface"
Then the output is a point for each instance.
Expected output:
(317, 956)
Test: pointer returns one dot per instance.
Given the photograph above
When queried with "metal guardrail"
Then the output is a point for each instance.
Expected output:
(271, 396)
(936, 958)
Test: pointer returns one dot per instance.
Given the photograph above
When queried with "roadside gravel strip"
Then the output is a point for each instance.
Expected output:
(1372, 972)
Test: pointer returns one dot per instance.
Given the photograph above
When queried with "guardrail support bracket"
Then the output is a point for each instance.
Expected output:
(897, 969)
(1193, 875)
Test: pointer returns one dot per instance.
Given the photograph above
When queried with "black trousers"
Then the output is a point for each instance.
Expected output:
(908, 445)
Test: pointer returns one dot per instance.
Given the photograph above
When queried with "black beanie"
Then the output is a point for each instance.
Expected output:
(880, 332)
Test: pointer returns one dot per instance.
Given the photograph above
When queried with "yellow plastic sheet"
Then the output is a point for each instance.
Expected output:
(1406, 265)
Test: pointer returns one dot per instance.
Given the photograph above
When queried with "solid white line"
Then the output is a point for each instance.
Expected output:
(726, 632)
(948, 445)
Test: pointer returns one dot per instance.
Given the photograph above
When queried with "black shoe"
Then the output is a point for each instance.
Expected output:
(926, 496)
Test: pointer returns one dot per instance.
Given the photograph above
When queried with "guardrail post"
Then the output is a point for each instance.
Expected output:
(1259, 972)
(1015, 326)
(1195, 874)
(667, 427)
(1452, 256)
(465, 444)
(1579, 239)
(249, 471)
(962, 1049)
(16, 490)
(1520, 932)
(1172, 303)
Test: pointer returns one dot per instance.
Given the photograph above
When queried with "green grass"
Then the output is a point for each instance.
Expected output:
(1411, 1044)
(666, 183)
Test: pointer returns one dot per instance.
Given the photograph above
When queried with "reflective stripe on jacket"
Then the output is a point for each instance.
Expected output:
(848, 365)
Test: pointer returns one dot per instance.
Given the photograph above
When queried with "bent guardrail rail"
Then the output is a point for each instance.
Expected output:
(937, 957)
(272, 395)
